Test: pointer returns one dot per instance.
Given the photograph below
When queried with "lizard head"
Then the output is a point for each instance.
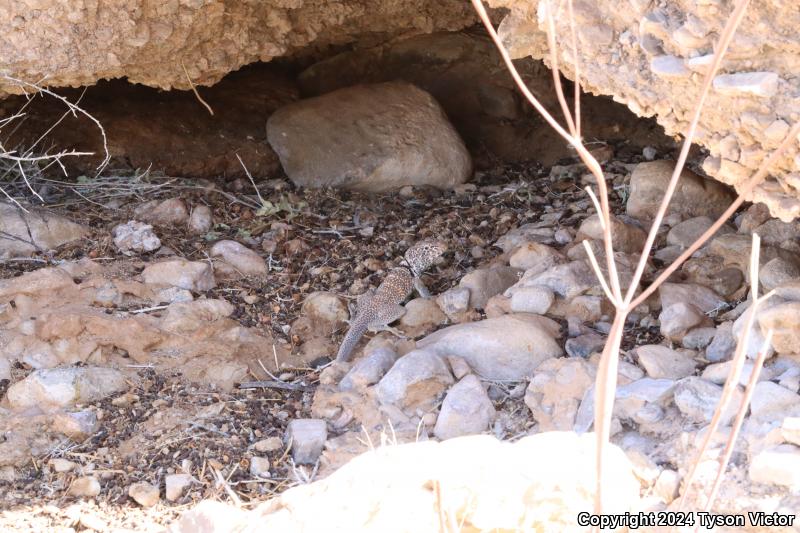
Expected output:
(423, 254)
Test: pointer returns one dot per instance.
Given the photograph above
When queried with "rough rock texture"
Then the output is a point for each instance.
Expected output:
(322, 141)
(78, 42)
(23, 234)
(652, 57)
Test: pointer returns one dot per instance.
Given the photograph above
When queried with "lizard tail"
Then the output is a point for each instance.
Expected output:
(350, 340)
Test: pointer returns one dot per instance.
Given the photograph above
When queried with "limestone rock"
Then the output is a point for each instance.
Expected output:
(533, 255)
(62, 387)
(417, 380)
(779, 465)
(685, 233)
(201, 220)
(237, 259)
(694, 196)
(85, 487)
(701, 297)
(784, 320)
(661, 362)
(697, 399)
(723, 344)
(679, 318)
(509, 347)
(259, 467)
(556, 390)
(466, 410)
(369, 369)
(135, 237)
(169, 212)
(777, 272)
(627, 238)
(698, 338)
(422, 316)
(771, 402)
(23, 234)
(371, 138)
(326, 312)
(522, 235)
(78, 426)
(454, 302)
(307, 437)
(195, 276)
(567, 280)
(175, 485)
(534, 299)
(144, 493)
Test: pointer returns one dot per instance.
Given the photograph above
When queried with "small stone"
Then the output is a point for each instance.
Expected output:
(525, 233)
(166, 213)
(777, 272)
(61, 387)
(677, 319)
(85, 487)
(259, 467)
(197, 276)
(201, 220)
(454, 302)
(422, 316)
(175, 485)
(466, 410)
(62, 465)
(585, 345)
(661, 362)
(78, 426)
(326, 312)
(144, 493)
(556, 391)
(534, 299)
(667, 485)
(416, 381)
(458, 366)
(533, 255)
(135, 237)
(771, 402)
(237, 260)
(762, 84)
(784, 320)
(687, 232)
(669, 67)
(568, 280)
(698, 338)
(753, 217)
(649, 153)
(270, 444)
(701, 297)
(790, 429)
(627, 237)
(723, 344)
(307, 437)
(779, 465)
(697, 399)
(718, 373)
(368, 370)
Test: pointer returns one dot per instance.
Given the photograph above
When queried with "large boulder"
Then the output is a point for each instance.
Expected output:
(370, 138)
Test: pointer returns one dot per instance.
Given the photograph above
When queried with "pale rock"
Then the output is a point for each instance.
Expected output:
(779, 465)
(677, 319)
(270, 444)
(701, 297)
(667, 485)
(164, 213)
(85, 487)
(78, 426)
(307, 437)
(61, 387)
(718, 373)
(5, 368)
(259, 467)
(790, 429)
(524, 234)
(23, 234)
(454, 302)
(458, 366)
(694, 196)
(498, 305)
(534, 299)
(588, 308)
(687, 232)
(669, 67)
(567, 280)
(237, 260)
(483, 283)
(197, 276)
(756, 338)
(556, 390)
(43, 280)
(175, 485)
(775, 232)
(416, 380)
(135, 237)
(535, 256)
(710, 271)
(761, 84)
(777, 272)
(201, 220)
(789, 290)
(466, 410)
(62, 465)
(371, 138)
(697, 398)
(698, 338)
(771, 402)
(326, 312)
(661, 362)
(525, 470)
(144, 493)
(509, 347)
(422, 316)
(369, 369)
(173, 295)
(723, 344)
(735, 250)
(627, 238)
(585, 345)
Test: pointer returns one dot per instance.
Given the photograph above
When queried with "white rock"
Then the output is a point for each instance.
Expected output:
(24, 232)
(509, 347)
(307, 437)
(201, 220)
(677, 319)
(85, 487)
(662, 362)
(454, 301)
(78, 426)
(779, 465)
(556, 390)
(466, 410)
(417, 380)
(534, 299)
(771, 402)
(669, 67)
(61, 387)
(175, 485)
(368, 370)
(144, 493)
(697, 399)
(567, 280)
(790, 429)
(422, 316)
(135, 237)
(195, 276)
(62, 465)
(667, 485)
(259, 467)
(238, 259)
(784, 320)
(763, 84)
